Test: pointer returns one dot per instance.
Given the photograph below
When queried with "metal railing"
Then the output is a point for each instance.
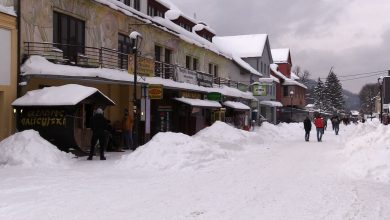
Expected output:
(78, 55)
(164, 70)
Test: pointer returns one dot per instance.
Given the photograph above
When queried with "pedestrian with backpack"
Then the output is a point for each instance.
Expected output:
(319, 123)
(307, 126)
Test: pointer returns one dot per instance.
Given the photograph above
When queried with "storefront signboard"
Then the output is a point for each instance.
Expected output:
(155, 91)
(214, 96)
(186, 76)
(190, 95)
(259, 90)
(145, 66)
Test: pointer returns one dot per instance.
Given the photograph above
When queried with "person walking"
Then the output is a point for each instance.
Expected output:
(127, 130)
(99, 126)
(336, 125)
(319, 123)
(307, 126)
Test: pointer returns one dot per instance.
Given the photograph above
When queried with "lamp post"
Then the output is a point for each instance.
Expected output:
(136, 39)
(380, 83)
(291, 99)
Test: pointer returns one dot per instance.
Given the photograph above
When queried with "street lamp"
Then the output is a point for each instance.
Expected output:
(291, 99)
(136, 39)
(380, 83)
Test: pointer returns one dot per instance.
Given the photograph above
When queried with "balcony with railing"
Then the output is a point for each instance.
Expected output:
(93, 57)
(77, 55)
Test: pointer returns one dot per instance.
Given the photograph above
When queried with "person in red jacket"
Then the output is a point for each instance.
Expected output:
(319, 123)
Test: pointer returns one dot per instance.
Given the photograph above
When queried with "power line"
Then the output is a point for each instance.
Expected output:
(358, 74)
(343, 80)
(367, 74)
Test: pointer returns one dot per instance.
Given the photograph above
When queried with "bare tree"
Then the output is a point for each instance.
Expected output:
(367, 97)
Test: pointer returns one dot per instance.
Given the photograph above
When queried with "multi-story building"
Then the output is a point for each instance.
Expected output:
(8, 63)
(289, 92)
(87, 42)
(255, 51)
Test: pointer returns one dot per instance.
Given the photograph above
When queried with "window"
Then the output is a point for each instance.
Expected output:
(137, 5)
(188, 62)
(285, 91)
(195, 64)
(124, 47)
(168, 55)
(213, 69)
(157, 53)
(71, 31)
(151, 11)
(126, 2)
(124, 44)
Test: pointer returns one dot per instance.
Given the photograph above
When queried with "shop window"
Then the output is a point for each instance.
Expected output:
(285, 91)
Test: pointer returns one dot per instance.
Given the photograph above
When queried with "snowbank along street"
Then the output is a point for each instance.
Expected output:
(219, 173)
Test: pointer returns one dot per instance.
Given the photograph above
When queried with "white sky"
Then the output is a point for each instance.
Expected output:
(351, 35)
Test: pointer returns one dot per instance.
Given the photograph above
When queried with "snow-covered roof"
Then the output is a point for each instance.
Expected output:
(280, 55)
(354, 112)
(271, 103)
(271, 79)
(243, 45)
(66, 95)
(8, 10)
(309, 106)
(294, 76)
(199, 102)
(287, 81)
(236, 105)
(37, 65)
(201, 26)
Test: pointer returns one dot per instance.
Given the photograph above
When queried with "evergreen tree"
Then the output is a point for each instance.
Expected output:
(318, 95)
(334, 93)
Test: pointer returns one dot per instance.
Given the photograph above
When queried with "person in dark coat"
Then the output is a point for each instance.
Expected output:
(336, 125)
(99, 126)
(307, 126)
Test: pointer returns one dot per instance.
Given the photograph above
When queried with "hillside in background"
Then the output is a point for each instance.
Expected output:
(352, 101)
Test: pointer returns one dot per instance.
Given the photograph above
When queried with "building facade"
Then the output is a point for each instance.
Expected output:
(87, 42)
(8, 70)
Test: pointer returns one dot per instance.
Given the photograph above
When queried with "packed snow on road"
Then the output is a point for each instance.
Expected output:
(219, 173)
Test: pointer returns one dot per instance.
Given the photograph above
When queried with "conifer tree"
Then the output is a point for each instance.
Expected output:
(318, 95)
(334, 93)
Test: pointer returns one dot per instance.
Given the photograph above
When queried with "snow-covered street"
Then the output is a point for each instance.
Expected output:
(220, 173)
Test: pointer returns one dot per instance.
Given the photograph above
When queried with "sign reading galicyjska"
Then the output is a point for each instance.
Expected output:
(259, 90)
(186, 76)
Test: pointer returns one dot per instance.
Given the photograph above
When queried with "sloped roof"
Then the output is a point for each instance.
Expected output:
(243, 45)
(280, 55)
(66, 95)
(287, 81)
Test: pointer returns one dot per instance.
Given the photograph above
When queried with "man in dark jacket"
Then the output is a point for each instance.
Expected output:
(307, 126)
(99, 125)
(336, 124)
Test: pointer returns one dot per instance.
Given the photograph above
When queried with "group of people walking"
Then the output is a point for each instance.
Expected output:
(321, 125)
(102, 132)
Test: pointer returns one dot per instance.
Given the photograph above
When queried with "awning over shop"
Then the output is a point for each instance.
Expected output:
(66, 95)
(199, 102)
(271, 103)
(236, 105)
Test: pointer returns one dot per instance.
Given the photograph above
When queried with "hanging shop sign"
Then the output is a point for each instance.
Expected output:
(205, 79)
(155, 91)
(145, 66)
(259, 90)
(190, 95)
(214, 96)
(186, 76)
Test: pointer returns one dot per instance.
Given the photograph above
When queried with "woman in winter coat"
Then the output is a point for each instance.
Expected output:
(307, 126)
(319, 123)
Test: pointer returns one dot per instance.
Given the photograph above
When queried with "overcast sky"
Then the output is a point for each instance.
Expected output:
(351, 35)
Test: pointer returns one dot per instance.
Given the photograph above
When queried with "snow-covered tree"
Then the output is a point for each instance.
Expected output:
(334, 93)
(318, 95)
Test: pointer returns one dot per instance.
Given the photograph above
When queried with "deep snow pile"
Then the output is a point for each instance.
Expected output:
(179, 151)
(29, 149)
(368, 151)
(276, 133)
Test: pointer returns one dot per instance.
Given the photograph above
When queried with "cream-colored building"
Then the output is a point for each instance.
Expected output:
(8, 70)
